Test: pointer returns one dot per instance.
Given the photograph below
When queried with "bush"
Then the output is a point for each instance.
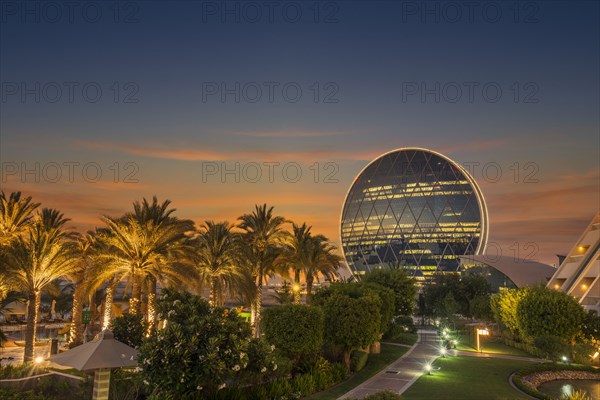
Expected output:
(387, 395)
(549, 312)
(358, 360)
(294, 329)
(129, 329)
(551, 346)
(200, 350)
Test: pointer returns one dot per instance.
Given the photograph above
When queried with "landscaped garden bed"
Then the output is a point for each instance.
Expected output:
(530, 378)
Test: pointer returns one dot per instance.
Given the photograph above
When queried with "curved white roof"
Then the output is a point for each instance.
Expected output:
(520, 272)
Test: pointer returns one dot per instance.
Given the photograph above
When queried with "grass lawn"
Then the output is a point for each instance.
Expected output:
(467, 378)
(389, 353)
(492, 345)
(405, 338)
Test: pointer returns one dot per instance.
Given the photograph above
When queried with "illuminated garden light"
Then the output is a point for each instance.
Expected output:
(428, 369)
(39, 360)
(443, 352)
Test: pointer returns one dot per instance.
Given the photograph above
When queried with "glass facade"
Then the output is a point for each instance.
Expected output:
(412, 209)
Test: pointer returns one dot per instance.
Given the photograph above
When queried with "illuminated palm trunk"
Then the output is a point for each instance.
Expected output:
(76, 333)
(213, 297)
(33, 314)
(108, 305)
(297, 294)
(135, 303)
(151, 313)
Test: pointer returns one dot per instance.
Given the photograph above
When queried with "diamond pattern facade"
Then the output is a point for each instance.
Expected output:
(413, 209)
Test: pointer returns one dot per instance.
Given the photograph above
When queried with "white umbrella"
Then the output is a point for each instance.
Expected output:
(99, 355)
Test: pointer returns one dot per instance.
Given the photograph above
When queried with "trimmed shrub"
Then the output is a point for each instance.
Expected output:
(294, 329)
(358, 360)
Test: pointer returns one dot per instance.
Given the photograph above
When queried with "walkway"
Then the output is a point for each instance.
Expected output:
(402, 373)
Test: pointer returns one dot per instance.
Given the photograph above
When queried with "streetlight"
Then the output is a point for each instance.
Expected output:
(428, 369)
(483, 332)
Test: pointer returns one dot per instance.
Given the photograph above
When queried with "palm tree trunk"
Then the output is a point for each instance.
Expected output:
(309, 284)
(76, 333)
(297, 294)
(258, 304)
(135, 303)
(212, 292)
(108, 305)
(30, 334)
(151, 314)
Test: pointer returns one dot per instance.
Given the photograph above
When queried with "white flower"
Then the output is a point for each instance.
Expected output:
(146, 382)
(198, 387)
(181, 380)
(272, 347)
(263, 370)
(236, 367)
(222, 386)
(275, 367)
(171, 313)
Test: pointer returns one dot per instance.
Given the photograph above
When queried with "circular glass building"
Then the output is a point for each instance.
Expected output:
(414, 209)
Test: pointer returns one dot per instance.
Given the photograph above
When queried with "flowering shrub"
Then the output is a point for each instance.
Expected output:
(200, 351)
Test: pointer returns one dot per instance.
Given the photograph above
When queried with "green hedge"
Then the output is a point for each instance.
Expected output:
(358, 360)
(526, 347)
(520, 374)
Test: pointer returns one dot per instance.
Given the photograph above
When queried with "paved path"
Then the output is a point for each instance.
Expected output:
(402, 373)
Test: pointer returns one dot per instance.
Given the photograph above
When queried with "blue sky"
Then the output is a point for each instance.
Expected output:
(362, 56)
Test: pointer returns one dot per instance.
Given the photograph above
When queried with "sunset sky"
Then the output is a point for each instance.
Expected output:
(170, 118)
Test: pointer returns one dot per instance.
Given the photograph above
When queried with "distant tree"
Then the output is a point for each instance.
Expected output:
(403, 286)
(351, 323)
(479, 307)
(451, 306)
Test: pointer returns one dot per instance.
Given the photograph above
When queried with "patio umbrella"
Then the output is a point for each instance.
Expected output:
(99, 355)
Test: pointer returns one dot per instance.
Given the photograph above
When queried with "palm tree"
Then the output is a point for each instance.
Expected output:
(311, 255)
(143, 248)
(262, 241)
(34, 260)
(16, 214)
(321, 259)
(296, 253)
(78, 277)
(215, 258)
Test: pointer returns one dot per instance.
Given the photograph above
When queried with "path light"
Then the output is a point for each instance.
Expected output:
(443, 352)
(564, 359)
(428, 369)
(39, 360)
